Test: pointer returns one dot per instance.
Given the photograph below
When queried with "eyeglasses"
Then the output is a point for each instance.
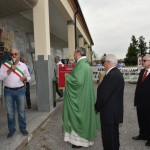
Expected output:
(145, 60)
(13, 54)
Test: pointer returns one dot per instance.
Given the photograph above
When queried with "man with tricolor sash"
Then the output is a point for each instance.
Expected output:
(14, 74)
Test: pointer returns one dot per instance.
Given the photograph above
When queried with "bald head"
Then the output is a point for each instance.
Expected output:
(15, 55)
(146, 61)
(14, 50)
(57, 59)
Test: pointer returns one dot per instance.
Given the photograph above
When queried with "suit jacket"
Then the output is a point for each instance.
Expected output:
(110, 98)
(142, 92)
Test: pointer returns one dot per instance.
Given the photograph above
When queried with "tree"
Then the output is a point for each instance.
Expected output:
(101, 59)
(133, 51)
(136, 48)
(149, 47)
(94, 56)
(142, 46)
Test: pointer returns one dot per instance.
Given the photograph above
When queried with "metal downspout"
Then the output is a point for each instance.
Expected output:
(75, 28)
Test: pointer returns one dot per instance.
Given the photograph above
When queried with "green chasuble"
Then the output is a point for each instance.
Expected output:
(79, 99)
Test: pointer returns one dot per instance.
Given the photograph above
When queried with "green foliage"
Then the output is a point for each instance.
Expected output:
(94, 56)
(149, 47)
(142, 46)
(136, 48)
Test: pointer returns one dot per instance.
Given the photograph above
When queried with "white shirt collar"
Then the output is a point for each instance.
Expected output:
(81, 58)
(148, 70)
(109, 69)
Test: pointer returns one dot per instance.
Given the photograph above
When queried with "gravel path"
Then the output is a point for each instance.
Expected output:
(50, 137)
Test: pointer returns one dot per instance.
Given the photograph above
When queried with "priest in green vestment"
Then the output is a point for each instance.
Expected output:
(80, 121)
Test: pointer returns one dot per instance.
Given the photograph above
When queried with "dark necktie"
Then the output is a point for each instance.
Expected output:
(145, 75)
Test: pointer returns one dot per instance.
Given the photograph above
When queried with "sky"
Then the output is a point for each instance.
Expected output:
(112, 23)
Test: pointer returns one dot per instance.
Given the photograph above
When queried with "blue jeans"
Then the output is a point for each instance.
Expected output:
(15, 99)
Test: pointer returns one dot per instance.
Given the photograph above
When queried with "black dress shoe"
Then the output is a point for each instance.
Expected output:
(147, 143)
(24, 132)
(75, 146)
(10, 134)
(138, 138)
(29, 107)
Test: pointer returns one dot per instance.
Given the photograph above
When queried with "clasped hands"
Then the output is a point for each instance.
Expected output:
(12, 68)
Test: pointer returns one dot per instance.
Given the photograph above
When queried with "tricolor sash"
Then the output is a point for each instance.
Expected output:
(17, 71)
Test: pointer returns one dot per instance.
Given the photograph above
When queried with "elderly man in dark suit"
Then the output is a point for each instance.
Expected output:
(110, 103)
(142, 101)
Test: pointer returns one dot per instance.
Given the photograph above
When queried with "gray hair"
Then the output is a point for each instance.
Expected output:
(81, 50)
(112, 58)
(147, 56)
(15, 50)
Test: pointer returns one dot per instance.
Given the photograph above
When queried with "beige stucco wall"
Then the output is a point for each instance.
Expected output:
(71, 13)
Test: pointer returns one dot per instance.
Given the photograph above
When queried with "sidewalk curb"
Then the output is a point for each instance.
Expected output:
(33, 133)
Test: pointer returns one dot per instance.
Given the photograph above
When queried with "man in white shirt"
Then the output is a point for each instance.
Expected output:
(56, 71)
(15, 73)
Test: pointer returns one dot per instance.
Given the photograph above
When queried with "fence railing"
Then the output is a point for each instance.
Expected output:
(129, 73)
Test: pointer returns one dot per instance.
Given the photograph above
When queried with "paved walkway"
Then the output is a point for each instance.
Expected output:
(50, 137)
(35, 119)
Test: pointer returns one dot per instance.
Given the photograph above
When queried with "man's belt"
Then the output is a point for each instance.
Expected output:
(17, 88)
